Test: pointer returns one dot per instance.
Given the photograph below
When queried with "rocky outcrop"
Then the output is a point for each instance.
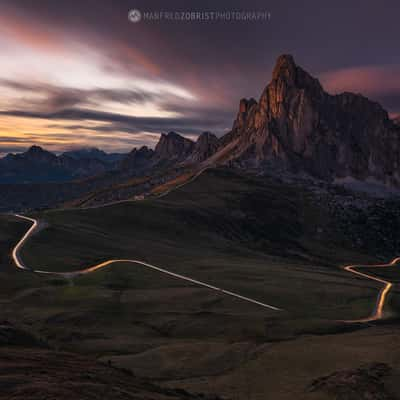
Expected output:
(171, 150)
(245, 107)
(137, 159)
(205, 146)
(298, 125)
(366, 382)
(173, 147)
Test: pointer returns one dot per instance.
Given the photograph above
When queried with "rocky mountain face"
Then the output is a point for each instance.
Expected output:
(173, 147)
(296, 124)
(137, 159)
(206, 145)
(39, 165)
(299, 127)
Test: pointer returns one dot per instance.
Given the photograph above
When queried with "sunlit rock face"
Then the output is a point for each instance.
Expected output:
(298, 124)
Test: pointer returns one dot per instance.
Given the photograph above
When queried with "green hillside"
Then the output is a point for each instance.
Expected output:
(256, 237)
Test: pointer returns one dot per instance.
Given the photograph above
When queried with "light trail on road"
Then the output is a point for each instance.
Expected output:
(20, 264)
(382, 296)
(376, 315)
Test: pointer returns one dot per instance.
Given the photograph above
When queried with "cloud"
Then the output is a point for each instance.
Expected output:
(126, 123)
(19, 29)
(13, 139)
(53, 98)
(59, 142)
(170, 55)
(79, 52)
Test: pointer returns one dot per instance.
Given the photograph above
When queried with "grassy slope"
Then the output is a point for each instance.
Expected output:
(232, 231)
(188, 336)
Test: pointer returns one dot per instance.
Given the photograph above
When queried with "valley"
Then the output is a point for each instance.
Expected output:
(183, 336)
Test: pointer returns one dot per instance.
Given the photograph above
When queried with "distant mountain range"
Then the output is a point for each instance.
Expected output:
(39, 165)
(295, 126)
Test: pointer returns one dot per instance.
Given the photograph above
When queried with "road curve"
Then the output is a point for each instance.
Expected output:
(20, 264)
(383, 293)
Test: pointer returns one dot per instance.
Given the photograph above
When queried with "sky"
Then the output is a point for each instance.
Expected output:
(77, 74)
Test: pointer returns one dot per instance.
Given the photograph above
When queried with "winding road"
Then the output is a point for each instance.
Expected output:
(35, 225)
(376, 314)
(382, 296)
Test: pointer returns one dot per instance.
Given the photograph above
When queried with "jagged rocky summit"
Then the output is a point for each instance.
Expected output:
(297, 124)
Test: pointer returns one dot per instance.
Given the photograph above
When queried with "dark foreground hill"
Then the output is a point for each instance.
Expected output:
(262, 239)
(38, 374)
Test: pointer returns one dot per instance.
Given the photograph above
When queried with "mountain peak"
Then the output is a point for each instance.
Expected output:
(37, 153)
(205, 136)
(173, 146)
(288, 74)
(172, 134)
(285, 67)
(35, 149)
(137, 159)
(299, 126)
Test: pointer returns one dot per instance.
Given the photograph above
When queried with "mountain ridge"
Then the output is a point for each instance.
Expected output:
(295, 129)
(302, 127)
(40, 165)
(94, 153)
